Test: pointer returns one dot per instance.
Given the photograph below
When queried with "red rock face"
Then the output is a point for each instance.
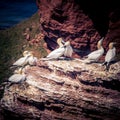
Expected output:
(82, 22)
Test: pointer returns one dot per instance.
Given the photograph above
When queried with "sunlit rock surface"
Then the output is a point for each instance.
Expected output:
(81, 21)
(65, 90)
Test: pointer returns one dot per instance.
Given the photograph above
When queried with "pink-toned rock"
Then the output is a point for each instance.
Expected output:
(65, 89)
(84, 22)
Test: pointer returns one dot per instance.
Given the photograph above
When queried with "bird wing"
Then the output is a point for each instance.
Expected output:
(21, 61)
(110, 55)
(17, 78)
(32, 60)
(68, 51)
(56, 53)
(95, 55)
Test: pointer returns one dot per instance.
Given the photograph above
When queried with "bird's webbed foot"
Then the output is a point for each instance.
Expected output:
(104, 63)
(107, 66)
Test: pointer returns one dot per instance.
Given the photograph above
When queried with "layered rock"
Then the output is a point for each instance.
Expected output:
(82, 22)
(65, 90)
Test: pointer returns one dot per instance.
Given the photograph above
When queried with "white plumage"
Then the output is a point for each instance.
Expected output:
(32, 60)
(56, 53)
(110, 55)
(95, 55)
(23, 60)
(68, 50)
(27, 58)
(17, 77)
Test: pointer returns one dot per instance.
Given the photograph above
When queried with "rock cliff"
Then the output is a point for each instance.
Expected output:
(69, 89)
(82, 22)
(65, 90)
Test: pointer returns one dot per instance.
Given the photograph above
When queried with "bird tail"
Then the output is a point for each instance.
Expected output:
(84, 58)
(13, 67)
(86, 61)
(104, 63)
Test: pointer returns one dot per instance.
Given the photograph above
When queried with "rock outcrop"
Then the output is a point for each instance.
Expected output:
(65, 90)
(69, 89)
(82, 22)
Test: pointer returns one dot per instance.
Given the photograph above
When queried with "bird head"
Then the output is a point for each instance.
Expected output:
(60, 42)
(99, 44)
(111, 45)
(25, 53)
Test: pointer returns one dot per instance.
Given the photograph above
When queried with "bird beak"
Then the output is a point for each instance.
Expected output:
(63, 42)
(102, 39)
(60, 42)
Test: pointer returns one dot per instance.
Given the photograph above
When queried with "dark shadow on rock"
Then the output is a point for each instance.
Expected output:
(99, 12)
(111, 84)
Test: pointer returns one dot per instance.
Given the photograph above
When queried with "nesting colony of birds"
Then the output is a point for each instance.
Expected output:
(66, 50)
(28, 59)
(63, 52)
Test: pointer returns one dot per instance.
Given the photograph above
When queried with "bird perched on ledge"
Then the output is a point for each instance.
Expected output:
(28, 58)
(68, 50)
(18, 76)
(32, 60)
(21, 62)
(95, 55)
(110, 55)
(57, 53)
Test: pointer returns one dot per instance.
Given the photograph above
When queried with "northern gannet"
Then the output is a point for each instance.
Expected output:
(110, 55)
(57, 53)
(32, 60)
(68, 50)
(18, 76)
(23, 60)
(95, 55)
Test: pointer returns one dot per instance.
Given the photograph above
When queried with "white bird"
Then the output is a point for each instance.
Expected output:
(95, 55)
(110, 55)
(68, 50)
(57, 53)
(18, 76)
(32, 60)
(23, 60)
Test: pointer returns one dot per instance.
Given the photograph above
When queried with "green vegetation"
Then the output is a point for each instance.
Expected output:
(13, 43)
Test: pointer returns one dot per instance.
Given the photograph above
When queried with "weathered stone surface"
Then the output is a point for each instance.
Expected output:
(65, 90)
(81, 21)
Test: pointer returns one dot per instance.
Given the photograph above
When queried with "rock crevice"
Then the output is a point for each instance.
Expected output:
(65, 89)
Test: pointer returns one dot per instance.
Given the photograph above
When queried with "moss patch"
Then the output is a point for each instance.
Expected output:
(13, 43)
